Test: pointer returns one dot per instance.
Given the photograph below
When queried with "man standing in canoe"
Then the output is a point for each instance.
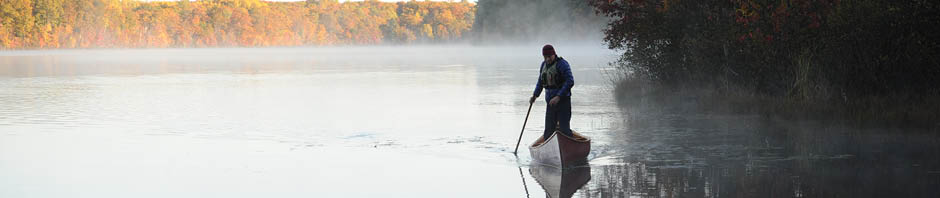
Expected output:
(556, 78)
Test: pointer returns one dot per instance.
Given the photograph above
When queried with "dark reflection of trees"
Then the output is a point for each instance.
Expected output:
(786, 179)
(752, 157)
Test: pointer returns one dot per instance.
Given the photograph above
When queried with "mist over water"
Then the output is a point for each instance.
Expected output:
(333, 122)
(418, 121)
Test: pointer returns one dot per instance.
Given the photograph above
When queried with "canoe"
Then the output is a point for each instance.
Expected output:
(561, 150)
(560, 182)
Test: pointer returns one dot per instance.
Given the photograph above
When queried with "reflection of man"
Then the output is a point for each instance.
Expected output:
(555, 76)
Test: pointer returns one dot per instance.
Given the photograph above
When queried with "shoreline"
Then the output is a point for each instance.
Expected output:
(916, 112)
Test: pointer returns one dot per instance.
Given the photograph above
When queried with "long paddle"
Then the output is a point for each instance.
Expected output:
(523, 128)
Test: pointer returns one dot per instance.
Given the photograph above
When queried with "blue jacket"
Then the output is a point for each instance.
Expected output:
(565, 89)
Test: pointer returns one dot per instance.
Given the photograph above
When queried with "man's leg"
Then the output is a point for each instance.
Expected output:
(551, 114)
(564, 115)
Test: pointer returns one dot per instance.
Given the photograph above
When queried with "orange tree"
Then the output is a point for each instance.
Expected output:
(225, 23)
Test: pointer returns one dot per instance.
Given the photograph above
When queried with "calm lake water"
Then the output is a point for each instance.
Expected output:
(432, 121)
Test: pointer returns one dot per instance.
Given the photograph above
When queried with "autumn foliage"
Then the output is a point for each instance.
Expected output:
(226, 23)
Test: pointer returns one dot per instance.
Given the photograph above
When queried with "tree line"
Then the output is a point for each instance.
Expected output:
(227, 23)
(502, 21)
(804, 50)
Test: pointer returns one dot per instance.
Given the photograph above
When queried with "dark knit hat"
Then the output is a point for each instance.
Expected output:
(548, 50)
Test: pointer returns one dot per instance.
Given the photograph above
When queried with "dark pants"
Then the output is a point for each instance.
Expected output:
(558, 115)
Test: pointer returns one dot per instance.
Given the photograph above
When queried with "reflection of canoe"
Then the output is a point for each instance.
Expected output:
(561, 150)
(560, 182)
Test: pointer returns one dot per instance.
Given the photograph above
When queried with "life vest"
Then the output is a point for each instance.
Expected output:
(552, 77)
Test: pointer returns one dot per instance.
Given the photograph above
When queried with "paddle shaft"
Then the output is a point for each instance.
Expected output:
(523, 128)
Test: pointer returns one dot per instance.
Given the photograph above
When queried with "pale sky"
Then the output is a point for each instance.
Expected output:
(474, 1)
(383, 0)
(410, 0)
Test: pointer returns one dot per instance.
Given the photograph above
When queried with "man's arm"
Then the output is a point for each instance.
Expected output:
(569, 78)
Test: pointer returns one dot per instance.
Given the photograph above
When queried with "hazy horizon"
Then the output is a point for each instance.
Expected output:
(439, 98)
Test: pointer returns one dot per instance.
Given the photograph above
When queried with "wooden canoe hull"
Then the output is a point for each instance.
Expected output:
(561, 150)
